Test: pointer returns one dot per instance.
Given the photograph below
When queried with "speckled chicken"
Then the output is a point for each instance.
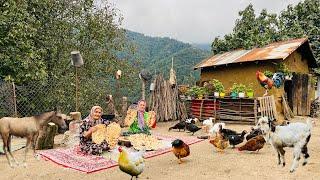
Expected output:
(180, 149)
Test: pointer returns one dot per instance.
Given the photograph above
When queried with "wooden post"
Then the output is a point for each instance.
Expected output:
(124, 106)
(255, 111)
(77, 87)
(143, 89)
(318, 86)
(14, 99)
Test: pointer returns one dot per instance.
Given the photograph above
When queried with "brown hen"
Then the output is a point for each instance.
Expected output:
(180, 149)
(254, 144)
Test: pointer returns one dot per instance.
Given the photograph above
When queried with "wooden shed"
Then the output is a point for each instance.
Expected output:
(240, 66)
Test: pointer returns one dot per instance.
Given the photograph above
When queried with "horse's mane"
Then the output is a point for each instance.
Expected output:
(43, 115)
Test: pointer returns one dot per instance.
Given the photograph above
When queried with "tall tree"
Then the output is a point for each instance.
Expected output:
(249, 31)
(302, 20)
(294, 22)
(37, 36)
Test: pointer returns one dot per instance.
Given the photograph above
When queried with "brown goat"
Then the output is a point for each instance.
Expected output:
(26, 127)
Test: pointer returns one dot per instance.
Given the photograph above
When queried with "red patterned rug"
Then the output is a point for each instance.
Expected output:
(74, 159)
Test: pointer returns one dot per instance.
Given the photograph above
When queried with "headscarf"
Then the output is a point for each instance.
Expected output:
(90, 117)
(141, 115)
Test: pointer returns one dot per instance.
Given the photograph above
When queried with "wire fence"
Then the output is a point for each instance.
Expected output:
(26, 100)
(35, 98)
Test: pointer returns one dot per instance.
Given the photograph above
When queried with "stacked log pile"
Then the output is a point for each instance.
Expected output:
(165, 101)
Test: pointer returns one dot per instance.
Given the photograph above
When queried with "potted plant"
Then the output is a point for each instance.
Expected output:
(234, 90)
(250, 91)
(285, 70)
(267, 73)
(242, 90)
(191, 93)
(201, 91)
(209, 87)
(218, 87)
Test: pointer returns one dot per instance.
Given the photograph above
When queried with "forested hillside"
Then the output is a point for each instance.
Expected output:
(155, 54)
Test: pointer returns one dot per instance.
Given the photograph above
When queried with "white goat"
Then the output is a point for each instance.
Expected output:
(296, 135)
(215, 128)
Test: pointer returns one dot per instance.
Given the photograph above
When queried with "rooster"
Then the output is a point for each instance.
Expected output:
(131, 163)
(180, 149)
(276, 80)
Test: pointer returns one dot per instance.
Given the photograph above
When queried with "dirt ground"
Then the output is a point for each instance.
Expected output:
(203, 163)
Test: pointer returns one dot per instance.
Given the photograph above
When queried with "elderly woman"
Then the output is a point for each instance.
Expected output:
(140, 121)
(86, 130)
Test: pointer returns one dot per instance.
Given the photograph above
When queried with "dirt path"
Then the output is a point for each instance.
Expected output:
(203, 163)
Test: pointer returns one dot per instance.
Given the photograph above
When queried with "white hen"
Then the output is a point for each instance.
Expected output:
(215, 128)
(208, 124)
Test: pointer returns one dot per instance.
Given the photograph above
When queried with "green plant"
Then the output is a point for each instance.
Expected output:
(242, 88)
(281, 67)
(197, 91)
(249, 88)
(267, 73)
(218, 86)
(236, 88)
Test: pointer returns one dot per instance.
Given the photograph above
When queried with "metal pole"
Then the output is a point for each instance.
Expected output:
(77, 88)
(14, 100)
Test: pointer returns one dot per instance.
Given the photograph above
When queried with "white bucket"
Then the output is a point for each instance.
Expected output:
(152, 86)
(241, 94)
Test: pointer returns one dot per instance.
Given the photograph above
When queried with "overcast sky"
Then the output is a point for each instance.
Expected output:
(192, 21)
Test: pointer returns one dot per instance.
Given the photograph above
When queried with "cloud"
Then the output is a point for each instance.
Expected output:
(193, 21)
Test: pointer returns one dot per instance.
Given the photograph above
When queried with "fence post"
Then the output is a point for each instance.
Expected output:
(14, 99)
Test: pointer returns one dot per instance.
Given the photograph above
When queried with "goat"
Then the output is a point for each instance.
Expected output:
(296, 135)
(26, 127)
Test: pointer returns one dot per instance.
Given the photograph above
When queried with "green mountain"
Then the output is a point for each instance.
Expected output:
(155, 55)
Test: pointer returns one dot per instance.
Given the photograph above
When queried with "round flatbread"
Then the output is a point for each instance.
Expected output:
(144, 142)
(100, 134)
(112, 135)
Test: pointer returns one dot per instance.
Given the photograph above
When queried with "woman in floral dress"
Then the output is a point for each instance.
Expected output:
(86, 130)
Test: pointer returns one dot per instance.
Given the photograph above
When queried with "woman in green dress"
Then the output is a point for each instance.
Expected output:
(142, 120)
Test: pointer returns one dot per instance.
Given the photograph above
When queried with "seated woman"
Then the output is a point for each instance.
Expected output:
(86, 130)
(140, 121)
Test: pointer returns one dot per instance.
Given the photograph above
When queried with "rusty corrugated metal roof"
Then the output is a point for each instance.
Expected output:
(278, 50)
